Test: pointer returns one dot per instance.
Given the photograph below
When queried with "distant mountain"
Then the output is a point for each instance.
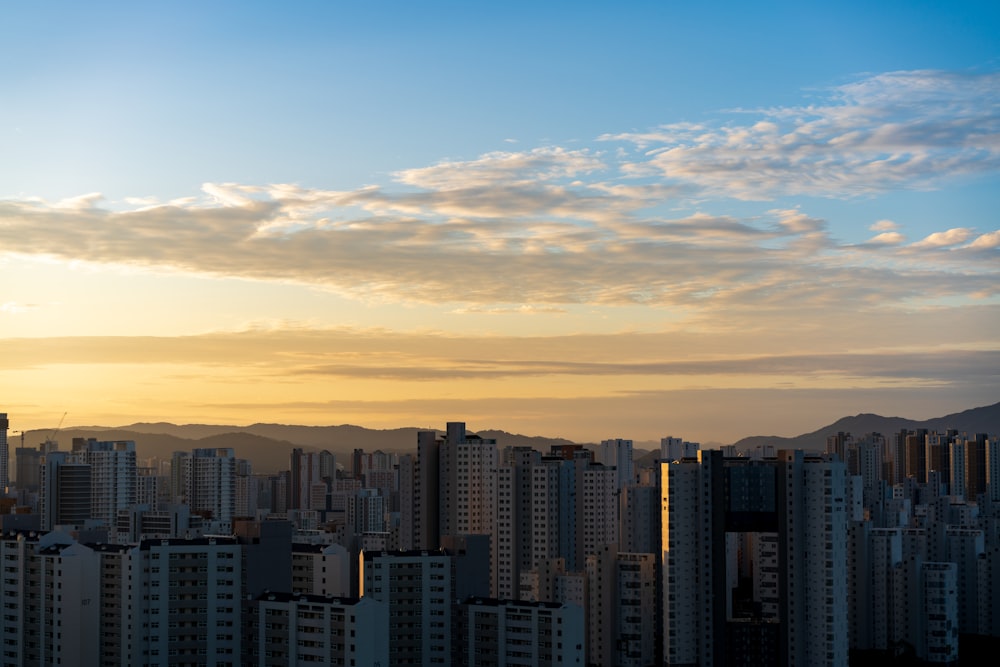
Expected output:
(267, 445)
(977, 420)
(268, 455)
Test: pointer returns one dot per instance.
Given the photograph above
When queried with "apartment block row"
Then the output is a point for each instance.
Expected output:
(485, 554)
(231, 600)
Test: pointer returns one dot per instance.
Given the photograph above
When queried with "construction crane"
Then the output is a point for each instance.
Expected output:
(50, 443)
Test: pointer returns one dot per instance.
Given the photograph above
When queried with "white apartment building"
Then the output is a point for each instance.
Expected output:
(209, 478)
(113, 473)
(193, 613)
(50, 595)
(296, 629)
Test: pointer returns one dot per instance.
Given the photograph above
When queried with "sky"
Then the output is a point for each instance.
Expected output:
(582, 220)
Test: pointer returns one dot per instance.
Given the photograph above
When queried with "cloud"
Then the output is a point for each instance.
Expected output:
(540, 164)
(936, 366)
(543, 230)
(944, 239)
(518, 310)
(884, 226)
(987, 241)
(554, 249)
(899, 129)
(359, 373)
(887, 238)
(16, 308)
(798, 223)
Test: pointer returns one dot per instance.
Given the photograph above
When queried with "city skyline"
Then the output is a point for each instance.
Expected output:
(571, 221)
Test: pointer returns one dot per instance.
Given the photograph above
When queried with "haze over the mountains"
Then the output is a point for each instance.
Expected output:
(268, 445)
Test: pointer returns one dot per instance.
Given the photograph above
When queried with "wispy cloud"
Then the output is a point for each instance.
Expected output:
(16, 308)
(694, 261)
(548, 228)
(899, 129)
(585, 384)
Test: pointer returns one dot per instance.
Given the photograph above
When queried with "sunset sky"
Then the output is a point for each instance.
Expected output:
(587, 220)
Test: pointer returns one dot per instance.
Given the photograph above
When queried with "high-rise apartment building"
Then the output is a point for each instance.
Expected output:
(247, 489)
(147, 490)
(617, 453)
(113, 471)
(297, 629)
(599, 505)
(993, 470)
(640, 524)
(711, 507)
(454, 489)
(468, 466)
(407, 507)
(494, 632)
(64, 498)
(417, 587)
(323, 569)
(675, 449)
(304, 471)
(635, 610)
(514, 525)
(27, 461)
(4, 453)
(366, 512)
(193, 614)
(936, 625)
(427, 491)
(975, 465)
(49, 592)
(210, 481)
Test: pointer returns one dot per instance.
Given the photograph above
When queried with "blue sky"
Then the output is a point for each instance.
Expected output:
(155, 98)
(754, 185)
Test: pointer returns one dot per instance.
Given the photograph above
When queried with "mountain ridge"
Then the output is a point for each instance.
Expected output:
(268, 445)
(985, 419)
